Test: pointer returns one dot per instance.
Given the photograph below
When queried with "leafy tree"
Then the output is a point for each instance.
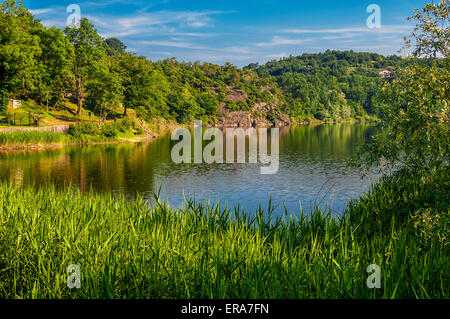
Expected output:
(4, 99)
(19, 47)
(104, 88)
(136, 80)
(54, 64)
(209, 103)
(416, 110)
(114, 47)
(432, 31)
(88, 52)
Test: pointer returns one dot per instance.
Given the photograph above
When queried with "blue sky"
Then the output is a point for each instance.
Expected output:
(242, 31)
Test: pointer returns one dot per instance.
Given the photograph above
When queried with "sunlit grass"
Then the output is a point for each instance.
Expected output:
(134, 250)
(32, 137)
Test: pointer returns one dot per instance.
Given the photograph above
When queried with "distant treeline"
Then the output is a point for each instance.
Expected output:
(51, 66)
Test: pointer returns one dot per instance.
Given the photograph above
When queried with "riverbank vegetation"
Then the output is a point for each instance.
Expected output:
(132, 250)
(334, 85)
(78, 133)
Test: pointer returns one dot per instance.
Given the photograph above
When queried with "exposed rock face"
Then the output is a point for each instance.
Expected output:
(261, 114)
(247, 119)
(237, 119)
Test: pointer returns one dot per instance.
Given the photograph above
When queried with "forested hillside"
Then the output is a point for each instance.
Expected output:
(49, 69)
(332, 85)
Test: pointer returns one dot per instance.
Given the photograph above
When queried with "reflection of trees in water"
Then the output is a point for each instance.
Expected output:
(101, 168)
(321, 141)
(134, 167)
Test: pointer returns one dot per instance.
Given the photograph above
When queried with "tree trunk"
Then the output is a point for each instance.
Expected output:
(79, 97)
(124, 110)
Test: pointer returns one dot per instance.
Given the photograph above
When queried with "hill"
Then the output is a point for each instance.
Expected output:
(334, 85)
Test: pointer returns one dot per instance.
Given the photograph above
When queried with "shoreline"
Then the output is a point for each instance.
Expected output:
(146, 138)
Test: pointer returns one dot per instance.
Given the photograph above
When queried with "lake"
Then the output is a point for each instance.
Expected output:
(312, 171)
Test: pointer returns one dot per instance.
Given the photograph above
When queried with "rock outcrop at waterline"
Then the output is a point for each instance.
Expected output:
(261, 114)
(247, 119)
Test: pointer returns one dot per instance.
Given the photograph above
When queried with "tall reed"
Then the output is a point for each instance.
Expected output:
(130, 249)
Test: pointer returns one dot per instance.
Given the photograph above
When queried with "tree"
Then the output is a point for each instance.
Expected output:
(19, 47)
(88, 52)
(431, 35)
(104, 89)
(114, 47)
(54, 64)
(135, 74)
(416, 102)
(209, 103)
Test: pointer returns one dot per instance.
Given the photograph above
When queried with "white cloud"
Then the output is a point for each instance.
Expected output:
(277, 41)
(157, 22)
(174, 44)
(40, 11)
(277, 56)
(383, 29)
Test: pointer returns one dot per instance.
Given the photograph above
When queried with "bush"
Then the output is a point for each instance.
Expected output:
(139, 130)
(83, 128)
(109, 130)
(412, 200)
(321, 115)
(125, 125)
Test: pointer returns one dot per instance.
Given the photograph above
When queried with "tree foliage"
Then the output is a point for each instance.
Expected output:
(88, 54)
(334, 85)
(416, 103)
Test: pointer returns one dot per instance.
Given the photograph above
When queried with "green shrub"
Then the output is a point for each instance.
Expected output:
(321, 115)
(125, 125)
(83, 128)
(86, 132)
(109, 130)
(406, 199)
(139, 130)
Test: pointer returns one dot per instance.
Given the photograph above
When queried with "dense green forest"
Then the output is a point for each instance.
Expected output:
(333, 85)
(51, 67)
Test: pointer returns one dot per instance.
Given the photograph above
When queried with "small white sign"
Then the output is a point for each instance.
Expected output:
(16, 104)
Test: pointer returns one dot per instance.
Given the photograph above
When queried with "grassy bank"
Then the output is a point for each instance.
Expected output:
(130, 250)
(79, 133)
(24, 138)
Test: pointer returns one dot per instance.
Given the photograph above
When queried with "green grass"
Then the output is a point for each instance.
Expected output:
(32, 137)
(79, 133)
(134, 250)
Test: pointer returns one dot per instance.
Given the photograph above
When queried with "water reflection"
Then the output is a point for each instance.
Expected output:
(312, 170)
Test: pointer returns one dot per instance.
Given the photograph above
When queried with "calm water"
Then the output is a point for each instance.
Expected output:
(312, 170)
